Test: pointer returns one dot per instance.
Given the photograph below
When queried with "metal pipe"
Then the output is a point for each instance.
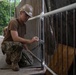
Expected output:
(42, 36)
(51, 71)
(66, 8)
(34, 55)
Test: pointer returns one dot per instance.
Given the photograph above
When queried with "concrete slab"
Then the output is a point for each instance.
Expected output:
(23, 71)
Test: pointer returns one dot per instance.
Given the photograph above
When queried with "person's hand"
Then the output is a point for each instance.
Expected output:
(35, 39)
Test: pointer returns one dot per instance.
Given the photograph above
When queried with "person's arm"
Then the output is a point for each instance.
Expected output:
(16, 38)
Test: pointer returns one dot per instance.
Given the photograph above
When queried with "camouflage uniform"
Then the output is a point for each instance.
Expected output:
(15, 53)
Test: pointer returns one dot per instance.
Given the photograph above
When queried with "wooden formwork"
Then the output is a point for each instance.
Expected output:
(62, 59)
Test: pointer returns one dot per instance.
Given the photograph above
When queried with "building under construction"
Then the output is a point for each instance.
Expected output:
(54, 23)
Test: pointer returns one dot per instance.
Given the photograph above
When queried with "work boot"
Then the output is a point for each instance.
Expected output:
(15, 67)
(8, 61)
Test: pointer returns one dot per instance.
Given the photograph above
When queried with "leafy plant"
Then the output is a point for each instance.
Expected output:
(6, 12)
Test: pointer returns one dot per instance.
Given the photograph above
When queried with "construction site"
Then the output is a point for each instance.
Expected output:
(54, 22)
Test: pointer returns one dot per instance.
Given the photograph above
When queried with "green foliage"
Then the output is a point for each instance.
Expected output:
(1, 29)
(5, 13)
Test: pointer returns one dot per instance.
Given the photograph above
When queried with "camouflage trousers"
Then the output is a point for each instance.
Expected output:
(16, 53)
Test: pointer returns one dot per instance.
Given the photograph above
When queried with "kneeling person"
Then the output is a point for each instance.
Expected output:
(14, 42)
